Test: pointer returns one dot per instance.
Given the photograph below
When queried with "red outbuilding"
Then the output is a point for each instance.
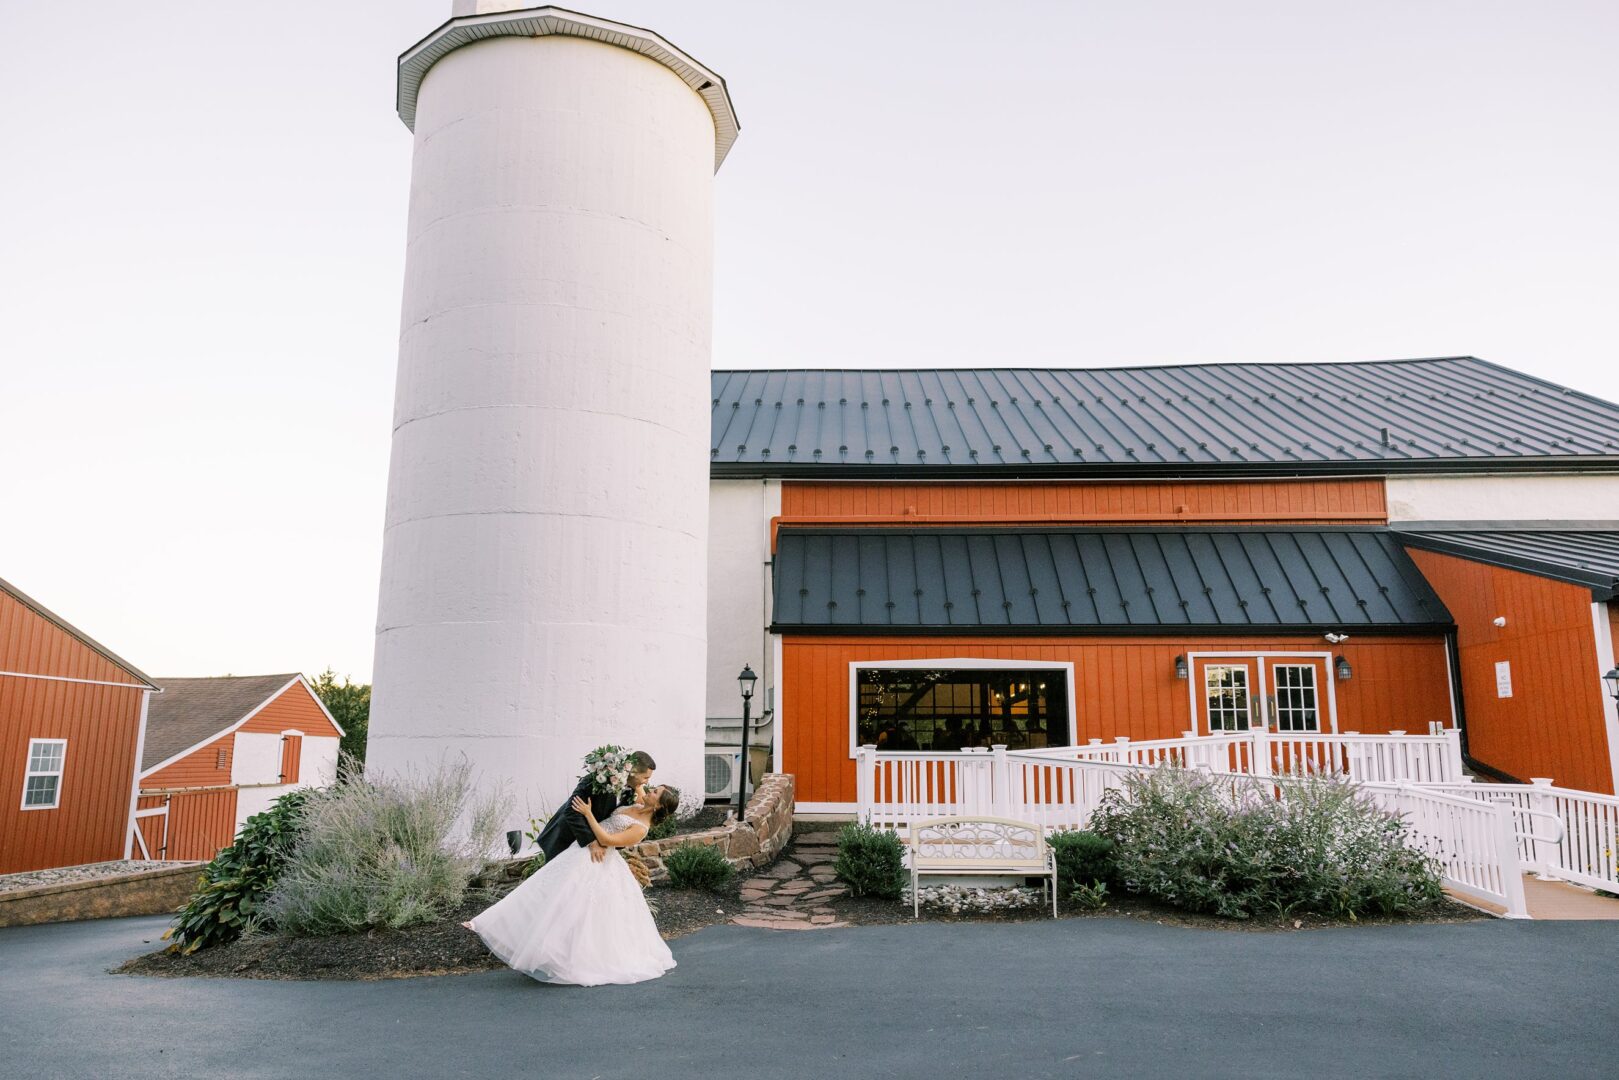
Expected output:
(72, 718)
(220, 750)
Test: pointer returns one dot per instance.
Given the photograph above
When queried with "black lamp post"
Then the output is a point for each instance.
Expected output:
(745, 681)
(1612, 679)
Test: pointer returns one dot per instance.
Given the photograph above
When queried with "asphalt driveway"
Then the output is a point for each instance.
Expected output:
(1099, 997)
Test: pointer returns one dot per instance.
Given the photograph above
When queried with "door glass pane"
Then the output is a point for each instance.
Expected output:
(1296, 700)
(1226, 686)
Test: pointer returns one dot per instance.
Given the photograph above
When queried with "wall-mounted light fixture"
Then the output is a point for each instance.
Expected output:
(1343, 670)
(1499, 621)
(1181, 671)
(1612, 679)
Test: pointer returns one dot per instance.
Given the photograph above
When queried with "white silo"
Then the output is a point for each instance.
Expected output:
(544, 559)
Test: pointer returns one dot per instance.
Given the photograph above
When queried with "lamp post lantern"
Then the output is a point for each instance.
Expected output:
(745, 681)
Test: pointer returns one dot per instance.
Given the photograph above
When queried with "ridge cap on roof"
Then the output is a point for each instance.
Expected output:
(1143, 367)
(50, 616)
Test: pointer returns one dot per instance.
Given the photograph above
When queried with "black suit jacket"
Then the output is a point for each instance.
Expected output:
(568, 826)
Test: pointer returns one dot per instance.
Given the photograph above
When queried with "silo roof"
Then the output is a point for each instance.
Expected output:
(415, 61)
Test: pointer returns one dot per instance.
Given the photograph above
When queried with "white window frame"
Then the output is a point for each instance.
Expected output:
(1248, 709)
(1262, 710)
(955, 662)
(1315, 688)
(28, 773)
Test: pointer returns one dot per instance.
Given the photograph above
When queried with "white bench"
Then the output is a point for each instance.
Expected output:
(980, 845)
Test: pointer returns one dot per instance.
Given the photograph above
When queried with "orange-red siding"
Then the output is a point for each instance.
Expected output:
(1122, 686)
(1553, 724)
(101, 725)
(1351, 501)
(203, 822)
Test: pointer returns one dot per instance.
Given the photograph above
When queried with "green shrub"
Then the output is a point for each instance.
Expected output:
(698, 866)
(231, 893)
(871, 862)
(663, 829)
(1084, 860)
(1235, 847)
(1088, 897)
(385, 851)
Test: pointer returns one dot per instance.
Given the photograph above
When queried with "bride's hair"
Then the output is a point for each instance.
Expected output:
(668, 803)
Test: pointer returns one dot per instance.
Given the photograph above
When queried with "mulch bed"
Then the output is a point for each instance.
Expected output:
(441, 948)
(864, 911)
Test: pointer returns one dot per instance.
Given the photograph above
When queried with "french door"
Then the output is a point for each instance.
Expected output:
(1285, 693)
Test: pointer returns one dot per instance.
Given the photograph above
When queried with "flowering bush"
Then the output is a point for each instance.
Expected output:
(608, 768)
(1240, 847)
(972, 900)
(385, 851)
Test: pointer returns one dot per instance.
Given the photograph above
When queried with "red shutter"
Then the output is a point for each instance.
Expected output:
(292, 749)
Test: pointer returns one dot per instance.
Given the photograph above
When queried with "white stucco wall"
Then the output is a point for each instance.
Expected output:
(546, 542)
(1503, 498)
(739, 518)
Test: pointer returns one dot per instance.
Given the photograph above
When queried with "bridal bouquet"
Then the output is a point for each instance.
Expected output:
(608, 768)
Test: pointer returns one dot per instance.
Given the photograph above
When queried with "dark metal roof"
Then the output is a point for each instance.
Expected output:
(1389, 416)
(189, 712)
(1057, 581)
(1578, 556)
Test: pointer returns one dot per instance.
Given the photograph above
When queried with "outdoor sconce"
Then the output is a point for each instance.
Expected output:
(1343, 670)
(1612, 679)
(1180, 668)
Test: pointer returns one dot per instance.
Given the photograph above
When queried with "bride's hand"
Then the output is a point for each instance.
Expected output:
(583, 807)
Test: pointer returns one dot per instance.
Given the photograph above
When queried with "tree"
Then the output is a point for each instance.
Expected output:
(350, 705)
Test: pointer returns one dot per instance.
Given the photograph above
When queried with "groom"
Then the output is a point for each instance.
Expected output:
(568, 826)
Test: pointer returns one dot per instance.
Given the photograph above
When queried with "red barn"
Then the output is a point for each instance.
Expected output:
(72, 717)
(220, 750)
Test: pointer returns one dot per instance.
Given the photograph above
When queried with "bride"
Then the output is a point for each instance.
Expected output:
(580, 921)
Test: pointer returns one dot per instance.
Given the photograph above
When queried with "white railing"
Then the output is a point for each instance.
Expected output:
(1474, 841)
(1376, 759)
(1561, 832)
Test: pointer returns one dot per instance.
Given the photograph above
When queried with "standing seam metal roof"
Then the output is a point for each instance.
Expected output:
(1051, 580)
(1579, 557)
(1369, 417)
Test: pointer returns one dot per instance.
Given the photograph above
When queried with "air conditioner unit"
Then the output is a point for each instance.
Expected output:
(720, 771)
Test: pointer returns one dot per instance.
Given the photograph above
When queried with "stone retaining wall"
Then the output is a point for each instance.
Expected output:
(142, 892)
(755, 841)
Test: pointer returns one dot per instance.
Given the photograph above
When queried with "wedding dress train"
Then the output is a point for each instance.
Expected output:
(578, 921)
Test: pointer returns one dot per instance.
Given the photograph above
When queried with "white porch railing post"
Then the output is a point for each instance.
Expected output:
(1196, 753)
(1545, 852)
(865, 786)
(1122, 754)
(1000, 781)
(1453, 754)
(1506, 848)
(1259, 749)
(1354, 758)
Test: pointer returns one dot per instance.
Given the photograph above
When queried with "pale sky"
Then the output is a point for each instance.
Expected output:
(202, 218)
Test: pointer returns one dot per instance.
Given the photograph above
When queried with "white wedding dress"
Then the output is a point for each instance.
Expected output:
(578, 921)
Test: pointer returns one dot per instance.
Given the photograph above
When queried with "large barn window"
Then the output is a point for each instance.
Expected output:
(961, 708)
(42, 783)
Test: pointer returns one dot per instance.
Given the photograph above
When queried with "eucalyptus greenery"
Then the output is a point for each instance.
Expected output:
(233, 888)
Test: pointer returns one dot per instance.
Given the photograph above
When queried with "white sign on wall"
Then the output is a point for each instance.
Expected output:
(1503, 678)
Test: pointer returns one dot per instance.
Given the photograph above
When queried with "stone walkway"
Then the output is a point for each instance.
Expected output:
(794, 892)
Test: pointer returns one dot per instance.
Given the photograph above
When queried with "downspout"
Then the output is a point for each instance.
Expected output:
(1454, 654)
